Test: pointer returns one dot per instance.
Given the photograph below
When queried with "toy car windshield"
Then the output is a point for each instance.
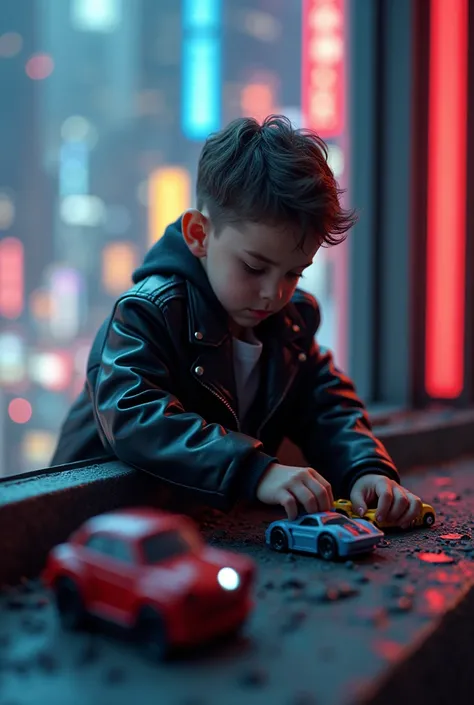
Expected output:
(166, 545)
(350, 525)
(331, 519)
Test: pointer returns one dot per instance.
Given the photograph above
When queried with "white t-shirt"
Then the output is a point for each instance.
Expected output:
(247, 372)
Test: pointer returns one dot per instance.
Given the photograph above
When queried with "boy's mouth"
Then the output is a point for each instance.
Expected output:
(259, 313)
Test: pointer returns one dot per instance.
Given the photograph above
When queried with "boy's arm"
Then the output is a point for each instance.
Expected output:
(145, 424)
(330, 424)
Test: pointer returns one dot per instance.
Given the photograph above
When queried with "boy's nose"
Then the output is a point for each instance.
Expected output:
(272, 292)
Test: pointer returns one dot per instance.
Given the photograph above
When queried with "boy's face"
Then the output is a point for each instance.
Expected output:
(253, 268)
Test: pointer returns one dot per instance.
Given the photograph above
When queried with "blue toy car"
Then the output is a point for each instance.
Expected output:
(326, 534)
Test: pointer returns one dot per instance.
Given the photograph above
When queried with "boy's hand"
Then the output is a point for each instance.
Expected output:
(394, 503)
(290, 486)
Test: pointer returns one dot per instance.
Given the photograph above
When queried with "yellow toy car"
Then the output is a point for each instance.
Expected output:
(427, 516)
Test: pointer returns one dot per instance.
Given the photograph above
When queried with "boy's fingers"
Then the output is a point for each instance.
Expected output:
(322, 481)
(288, 501)
(358, 502)
(385, 502)
(413, 511)
(320, 493)
(306, 498)
(399, 506)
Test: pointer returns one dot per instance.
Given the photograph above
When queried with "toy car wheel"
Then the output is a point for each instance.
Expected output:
(327, 547)
(279, 540)
(428, 519)
(151, 634)
(72, 612)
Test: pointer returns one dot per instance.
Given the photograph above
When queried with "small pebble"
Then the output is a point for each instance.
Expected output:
(47, 662)
(33, 625)
(370, 616)
(323, 594)
(255, 677)
(293, 622)
(293, 584)
(88, 654)
(402, 604)
(114, 675)
(362, 578)
(21, 666)
(15, 603)
(347, 590)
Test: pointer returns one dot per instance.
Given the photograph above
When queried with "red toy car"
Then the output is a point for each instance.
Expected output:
(150, 571)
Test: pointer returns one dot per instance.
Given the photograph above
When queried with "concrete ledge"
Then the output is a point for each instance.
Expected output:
(385, 629)
(39, 509)
(428, 437)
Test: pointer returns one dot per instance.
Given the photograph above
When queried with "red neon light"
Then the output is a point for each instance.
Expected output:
(11, 277)
(323, 60)
(446, 216)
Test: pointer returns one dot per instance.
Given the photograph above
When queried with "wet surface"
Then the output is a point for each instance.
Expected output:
(320, 632)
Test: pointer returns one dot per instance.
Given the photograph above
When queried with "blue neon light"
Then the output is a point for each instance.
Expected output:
(73, 169)
(201, 14)
(201, 68)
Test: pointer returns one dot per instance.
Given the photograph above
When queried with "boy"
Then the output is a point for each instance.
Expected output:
(209, 360)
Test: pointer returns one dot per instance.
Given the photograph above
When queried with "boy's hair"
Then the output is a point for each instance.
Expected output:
(273, 174)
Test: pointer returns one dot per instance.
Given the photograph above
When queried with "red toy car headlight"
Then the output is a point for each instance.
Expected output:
(229, 579)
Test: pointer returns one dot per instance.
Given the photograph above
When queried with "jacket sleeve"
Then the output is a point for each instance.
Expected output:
(145, 424)
(330, 423)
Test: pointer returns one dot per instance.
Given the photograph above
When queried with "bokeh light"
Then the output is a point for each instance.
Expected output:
(19, 410)
(77, 128)
(262, 26)
(39, 66)
(7, 211)
(10, 44)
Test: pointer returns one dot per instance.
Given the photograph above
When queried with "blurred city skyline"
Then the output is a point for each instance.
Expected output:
(109, 103)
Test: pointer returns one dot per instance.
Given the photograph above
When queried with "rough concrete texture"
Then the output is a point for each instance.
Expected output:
(397, 626)
(48, 504)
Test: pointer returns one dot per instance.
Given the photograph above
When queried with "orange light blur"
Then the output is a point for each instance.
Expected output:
(41, 304)
(257, 100)
(169, 194)
(119, 259)
(446, 217)
(11, 277)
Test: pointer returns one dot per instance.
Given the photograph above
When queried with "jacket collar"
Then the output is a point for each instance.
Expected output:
(208, 322)
(282, 335)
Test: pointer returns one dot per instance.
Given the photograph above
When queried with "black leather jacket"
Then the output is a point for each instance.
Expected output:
(160, 392)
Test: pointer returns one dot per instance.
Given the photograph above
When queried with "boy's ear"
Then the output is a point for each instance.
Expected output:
(195, 228)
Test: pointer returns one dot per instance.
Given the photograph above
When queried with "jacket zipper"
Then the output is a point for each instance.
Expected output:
(224, 401)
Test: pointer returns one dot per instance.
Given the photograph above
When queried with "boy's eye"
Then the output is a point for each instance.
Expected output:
(295, 275)
(252, 270)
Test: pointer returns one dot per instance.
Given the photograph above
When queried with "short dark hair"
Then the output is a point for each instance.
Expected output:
(274, 174)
